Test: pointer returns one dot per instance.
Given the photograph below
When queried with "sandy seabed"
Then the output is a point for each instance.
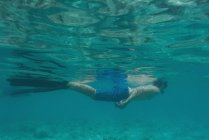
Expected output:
(104, 130)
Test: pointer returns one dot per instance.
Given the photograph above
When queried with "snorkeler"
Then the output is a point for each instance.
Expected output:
(118, 91)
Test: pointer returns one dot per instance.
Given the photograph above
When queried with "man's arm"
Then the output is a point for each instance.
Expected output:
(145, 92)
(139, 93)
(123, 103)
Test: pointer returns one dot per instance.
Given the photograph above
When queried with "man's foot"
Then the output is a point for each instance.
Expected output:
(72, 84)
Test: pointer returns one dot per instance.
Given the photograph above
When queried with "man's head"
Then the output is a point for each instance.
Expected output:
(161, 84)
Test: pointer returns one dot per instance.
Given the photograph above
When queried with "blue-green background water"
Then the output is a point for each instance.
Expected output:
(71, 39)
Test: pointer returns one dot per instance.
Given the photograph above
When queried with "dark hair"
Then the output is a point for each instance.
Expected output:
(161, 83)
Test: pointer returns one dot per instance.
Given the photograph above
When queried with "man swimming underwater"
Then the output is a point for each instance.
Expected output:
(118, 92)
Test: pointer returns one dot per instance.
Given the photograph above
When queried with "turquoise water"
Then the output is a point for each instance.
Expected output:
(71, 40)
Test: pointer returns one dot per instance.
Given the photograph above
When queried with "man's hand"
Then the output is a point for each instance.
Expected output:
(121, 104)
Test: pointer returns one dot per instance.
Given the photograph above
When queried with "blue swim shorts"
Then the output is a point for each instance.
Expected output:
(118, 91)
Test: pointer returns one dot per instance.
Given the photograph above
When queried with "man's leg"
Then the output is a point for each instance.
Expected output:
(82, 88)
